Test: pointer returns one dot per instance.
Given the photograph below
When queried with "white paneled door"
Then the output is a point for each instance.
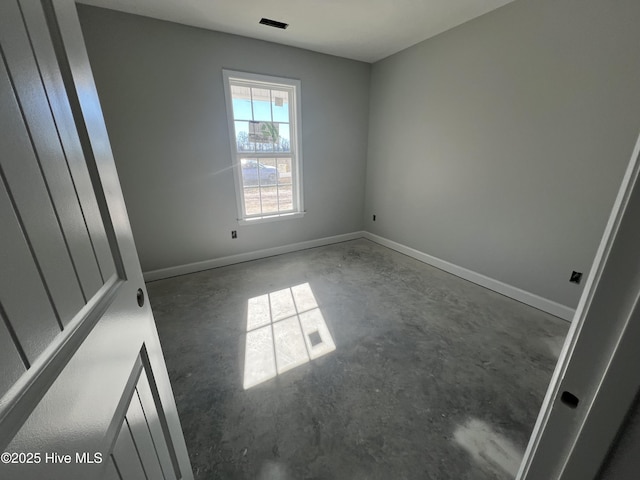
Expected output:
(84, 391)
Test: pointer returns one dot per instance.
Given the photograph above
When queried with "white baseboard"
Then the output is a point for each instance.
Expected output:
(544, 304)
(159, 274)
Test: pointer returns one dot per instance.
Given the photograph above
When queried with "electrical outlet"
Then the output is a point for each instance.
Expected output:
(575, 277)
(374, 218)
(234, 234)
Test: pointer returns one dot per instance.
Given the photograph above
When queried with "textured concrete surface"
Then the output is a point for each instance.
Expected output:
(429, 377)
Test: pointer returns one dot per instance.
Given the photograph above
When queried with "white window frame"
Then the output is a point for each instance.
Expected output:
(266, 81)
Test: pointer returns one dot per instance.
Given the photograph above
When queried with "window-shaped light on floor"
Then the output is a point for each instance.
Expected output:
(285, 329)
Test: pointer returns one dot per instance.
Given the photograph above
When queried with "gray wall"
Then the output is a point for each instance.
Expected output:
(160, 85)
(500, 145)
(497, 146)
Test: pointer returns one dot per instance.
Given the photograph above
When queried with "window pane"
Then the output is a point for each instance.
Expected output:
(280, 105)
(249, 167)
(258, 172)
(251, 200)
(284, 171)
(242, 137)
(261, 104)
(285, 194)
(284, 137)
(241, 102)
(264, 147)
(268, 171)
(265, 134)
(269, 199)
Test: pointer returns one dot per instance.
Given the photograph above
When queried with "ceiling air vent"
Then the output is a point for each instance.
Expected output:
(273, 23)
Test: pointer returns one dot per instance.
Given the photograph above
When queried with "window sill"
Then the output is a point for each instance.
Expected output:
(270, 218)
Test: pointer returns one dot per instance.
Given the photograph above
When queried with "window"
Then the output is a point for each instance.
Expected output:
(264, 116)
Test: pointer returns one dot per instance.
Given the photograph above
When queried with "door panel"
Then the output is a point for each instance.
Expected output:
(30, 196)
(112, 472)
(12, 365)
(156, 421)
(141, 435)
(85, 376)
(33, 322)
(125, 457)
(142, 414)
(53, 169)
(52, 80)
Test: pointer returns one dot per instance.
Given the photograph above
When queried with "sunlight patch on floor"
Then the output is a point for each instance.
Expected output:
(489, 448)
(555, 344)
(285, 329)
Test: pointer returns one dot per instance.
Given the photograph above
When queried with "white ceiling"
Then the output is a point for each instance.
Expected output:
(366, 30)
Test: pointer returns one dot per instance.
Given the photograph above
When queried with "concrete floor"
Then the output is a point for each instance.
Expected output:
(352, 362)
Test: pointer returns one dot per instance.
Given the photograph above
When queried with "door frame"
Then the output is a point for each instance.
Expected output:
(572, 441)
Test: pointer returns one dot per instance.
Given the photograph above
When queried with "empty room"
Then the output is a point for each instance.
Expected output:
(289, 240)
